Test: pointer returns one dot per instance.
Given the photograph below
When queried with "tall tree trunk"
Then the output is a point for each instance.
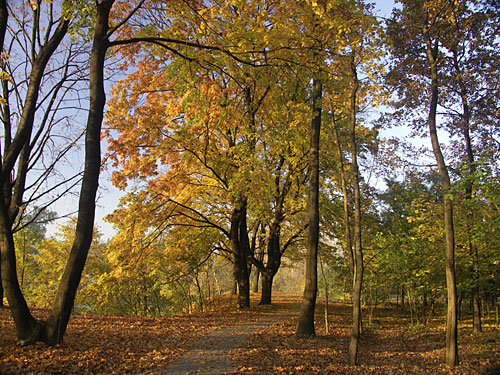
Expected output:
(28, 329)
(4, 15)
(451, 321)
(305, 326)
(345, 197)
(469, 186)
(58, 319)
(358, 251)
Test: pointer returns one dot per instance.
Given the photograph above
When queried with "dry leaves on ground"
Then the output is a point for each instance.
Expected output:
(386, 349)
(96, 344)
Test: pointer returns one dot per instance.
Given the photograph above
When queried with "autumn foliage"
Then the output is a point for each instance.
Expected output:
(250, 141)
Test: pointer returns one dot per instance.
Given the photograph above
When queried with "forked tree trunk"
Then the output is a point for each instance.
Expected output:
(257, 274)
(305, 326)
(273, 261)
(452, 314)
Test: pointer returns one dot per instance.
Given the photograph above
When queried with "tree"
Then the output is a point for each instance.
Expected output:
(417, 32)
(16, 149)
(361, 53)
(358, 250)
(468, 54)
(52, 330)
(246, 137)
(305, 325)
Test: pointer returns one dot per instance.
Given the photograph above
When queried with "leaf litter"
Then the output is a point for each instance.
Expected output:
(99, 344)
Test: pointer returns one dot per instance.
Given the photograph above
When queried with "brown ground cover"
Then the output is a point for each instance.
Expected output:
(388, 346)
(100, 344)
(97, 344)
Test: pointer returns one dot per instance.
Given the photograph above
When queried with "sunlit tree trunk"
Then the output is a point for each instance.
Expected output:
(451, 321)
(345, 197)
(471, 169)
(358, 251)
(4, 15)
(305, 326)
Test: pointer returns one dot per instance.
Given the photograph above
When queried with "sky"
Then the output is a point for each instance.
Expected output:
(384, 7)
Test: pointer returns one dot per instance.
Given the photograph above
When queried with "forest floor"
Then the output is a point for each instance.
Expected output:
(260, 340)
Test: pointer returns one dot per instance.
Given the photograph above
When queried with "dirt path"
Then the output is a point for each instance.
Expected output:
(211, 354)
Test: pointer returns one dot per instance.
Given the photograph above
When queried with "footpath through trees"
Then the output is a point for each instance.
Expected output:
(259, 340)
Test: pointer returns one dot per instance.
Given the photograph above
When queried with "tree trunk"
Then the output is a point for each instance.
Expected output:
(257, 273)
(471, 169)
(1, 283)
(305, 326)
(28, 329)
(4, 15)
(451, 321)
(59, 317)
(476, 311)
(402, 299)
(234, 285)
(345, 197)
(273, 260)
(240, 248)
(326, 295)
(358, 251)
(267, 288)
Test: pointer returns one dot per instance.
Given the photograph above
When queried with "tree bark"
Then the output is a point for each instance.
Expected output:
(469, 186)
(267, 288)
(28, 329)
(305, 326)
(4, 16)
(358, 251)
(257, 274)
(274, 250)
(345, 197)
(58, 319)
(451, 321)
(273, 259)
(240, 249)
